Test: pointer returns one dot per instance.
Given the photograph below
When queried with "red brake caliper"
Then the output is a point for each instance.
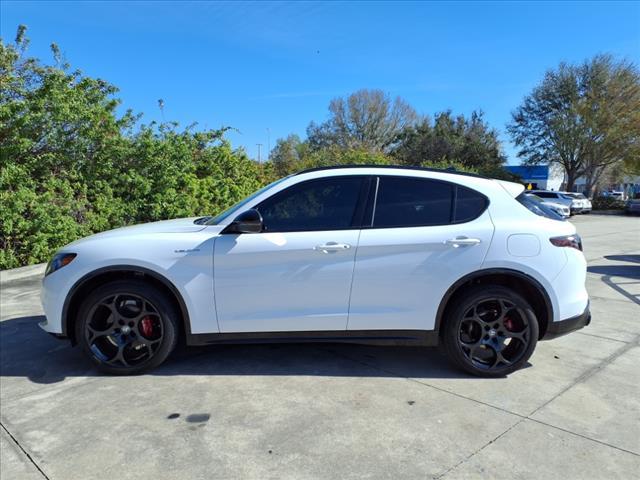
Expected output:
(508, 324)
(146, 325)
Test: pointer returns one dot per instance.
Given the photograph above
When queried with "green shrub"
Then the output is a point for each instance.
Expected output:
(70, 166)
(607, 203)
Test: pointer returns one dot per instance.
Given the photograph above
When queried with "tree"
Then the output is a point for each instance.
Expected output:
(612, 112)
(287, 154)
(365, 120)
(584, 117)
(71, 166)
(469, 141)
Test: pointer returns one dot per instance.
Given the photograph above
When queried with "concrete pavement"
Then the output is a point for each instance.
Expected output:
(333, 411)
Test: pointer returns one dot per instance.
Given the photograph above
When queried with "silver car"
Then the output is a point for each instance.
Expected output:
(557, 197)
(559, 209)
(579, 203)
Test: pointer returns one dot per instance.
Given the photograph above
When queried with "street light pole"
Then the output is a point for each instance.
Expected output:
(259, 145)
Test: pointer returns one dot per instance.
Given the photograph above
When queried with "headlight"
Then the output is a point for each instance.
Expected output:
(58, 261)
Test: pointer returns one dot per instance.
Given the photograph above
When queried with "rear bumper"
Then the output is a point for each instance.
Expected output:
(562, 327)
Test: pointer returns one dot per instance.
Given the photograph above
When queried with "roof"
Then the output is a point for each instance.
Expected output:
(450, 170)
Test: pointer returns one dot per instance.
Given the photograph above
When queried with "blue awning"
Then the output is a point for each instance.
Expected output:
(533, 172)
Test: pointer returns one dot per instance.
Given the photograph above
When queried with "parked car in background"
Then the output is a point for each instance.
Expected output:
(560, 209)
(400, 256)
(558, 198)
(614, 194)
(632, 206)
(579, 202)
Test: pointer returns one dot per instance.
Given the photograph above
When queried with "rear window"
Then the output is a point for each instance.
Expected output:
(534, 204)
(546, 194)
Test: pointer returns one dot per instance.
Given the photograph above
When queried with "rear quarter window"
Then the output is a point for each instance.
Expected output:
(469, 205)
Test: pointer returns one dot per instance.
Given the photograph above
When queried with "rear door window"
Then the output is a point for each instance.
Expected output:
(412, 202)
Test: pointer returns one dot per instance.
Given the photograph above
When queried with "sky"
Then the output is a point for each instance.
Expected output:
(267, 69)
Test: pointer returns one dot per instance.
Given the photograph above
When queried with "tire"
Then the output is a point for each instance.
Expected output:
(490, 332)
(127, 327)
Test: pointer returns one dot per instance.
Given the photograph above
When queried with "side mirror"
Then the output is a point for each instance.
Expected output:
(249, 221)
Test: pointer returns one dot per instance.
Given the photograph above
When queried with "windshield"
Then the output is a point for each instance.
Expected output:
(233, 209)
(576, 195)
(535, 204)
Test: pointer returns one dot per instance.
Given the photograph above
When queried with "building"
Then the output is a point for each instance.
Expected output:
(629, 186)
(551, 177)
(539, 177)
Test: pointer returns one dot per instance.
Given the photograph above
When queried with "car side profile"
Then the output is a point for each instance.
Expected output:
(375, 255)
(559, 198)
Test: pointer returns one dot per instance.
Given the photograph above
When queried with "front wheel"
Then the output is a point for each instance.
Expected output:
(127, 327)
(491, 332)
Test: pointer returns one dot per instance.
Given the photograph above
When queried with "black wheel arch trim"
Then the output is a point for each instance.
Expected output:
(134, 269)
(486, 272)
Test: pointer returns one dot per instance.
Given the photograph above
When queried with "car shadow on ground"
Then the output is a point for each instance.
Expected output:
(26, 351)
(628, 271)
(621, 278)
(623, 258)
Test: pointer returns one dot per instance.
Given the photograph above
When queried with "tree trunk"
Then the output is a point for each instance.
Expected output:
(593, 178)
(571, 179)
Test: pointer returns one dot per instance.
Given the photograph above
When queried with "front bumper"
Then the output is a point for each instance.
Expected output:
(562, 327)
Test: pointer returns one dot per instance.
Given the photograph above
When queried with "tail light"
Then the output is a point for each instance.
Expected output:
(573, 241)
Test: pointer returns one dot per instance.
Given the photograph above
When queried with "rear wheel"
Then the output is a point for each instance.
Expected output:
(127, 327)
(491, 332)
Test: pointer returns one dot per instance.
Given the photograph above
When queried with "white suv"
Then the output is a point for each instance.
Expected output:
(380, 255)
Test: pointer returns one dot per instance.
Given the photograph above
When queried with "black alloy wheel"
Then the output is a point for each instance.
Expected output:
(127, 327)
(491, 332)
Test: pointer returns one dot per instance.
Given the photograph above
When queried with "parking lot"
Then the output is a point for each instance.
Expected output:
(333, 411)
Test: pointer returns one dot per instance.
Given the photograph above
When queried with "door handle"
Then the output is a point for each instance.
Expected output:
(462, 242)
(332, 247)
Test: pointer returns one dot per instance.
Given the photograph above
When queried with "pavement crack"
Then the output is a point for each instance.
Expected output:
(521, 418)
(15, 440)
(602, 337)
(473, 454)
(635, 454)
(591, 372)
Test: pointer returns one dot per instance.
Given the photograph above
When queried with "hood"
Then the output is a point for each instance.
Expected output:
(178, 225)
